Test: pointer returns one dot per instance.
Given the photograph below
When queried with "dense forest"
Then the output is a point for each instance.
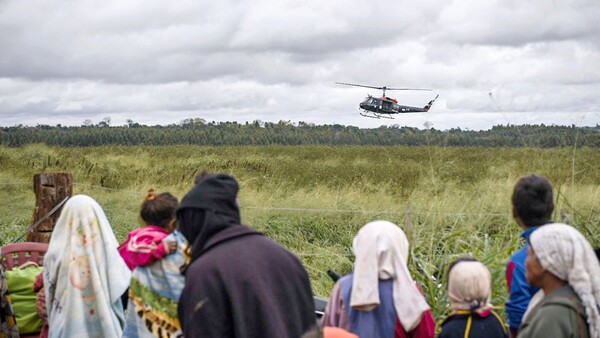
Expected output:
(199, 132)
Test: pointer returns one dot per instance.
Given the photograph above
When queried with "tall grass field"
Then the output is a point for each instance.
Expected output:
(451, 202)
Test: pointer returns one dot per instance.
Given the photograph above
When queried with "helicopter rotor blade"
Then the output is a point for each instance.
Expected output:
(388, 88)
(380, 88)
(358, 85)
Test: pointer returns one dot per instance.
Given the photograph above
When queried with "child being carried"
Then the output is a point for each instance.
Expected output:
(145, 245)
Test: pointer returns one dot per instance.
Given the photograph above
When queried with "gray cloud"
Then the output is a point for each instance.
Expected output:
(161, 62)
(518, 23)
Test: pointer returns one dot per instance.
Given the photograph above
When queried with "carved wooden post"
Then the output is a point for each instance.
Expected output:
(50, 189)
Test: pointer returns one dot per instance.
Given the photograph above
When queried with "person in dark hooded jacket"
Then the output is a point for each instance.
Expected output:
(238, 282)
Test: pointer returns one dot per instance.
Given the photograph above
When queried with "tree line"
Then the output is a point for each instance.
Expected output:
(199, 132)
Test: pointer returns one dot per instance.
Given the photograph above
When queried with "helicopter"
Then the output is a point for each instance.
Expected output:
(384, 107)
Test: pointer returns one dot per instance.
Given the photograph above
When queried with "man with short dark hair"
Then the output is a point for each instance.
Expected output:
(532, 207)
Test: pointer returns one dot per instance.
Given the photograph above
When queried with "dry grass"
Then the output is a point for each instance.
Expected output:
(450, 201)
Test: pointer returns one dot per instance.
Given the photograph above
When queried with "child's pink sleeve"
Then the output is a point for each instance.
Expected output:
(143, 249)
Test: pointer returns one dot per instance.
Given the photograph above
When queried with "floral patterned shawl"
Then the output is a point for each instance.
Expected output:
(84, 275)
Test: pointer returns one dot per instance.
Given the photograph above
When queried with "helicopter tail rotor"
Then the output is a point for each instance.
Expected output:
(428, 106)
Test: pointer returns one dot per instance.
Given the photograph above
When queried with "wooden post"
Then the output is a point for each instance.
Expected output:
(50, 189)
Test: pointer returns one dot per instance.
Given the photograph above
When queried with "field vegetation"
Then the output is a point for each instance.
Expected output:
(451, 202)
(199, 132)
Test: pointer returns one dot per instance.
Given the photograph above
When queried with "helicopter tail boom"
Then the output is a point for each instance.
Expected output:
(428, 106)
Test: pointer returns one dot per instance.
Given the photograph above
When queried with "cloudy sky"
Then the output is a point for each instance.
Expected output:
(159, 62)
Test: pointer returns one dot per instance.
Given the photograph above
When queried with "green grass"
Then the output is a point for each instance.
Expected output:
(451, 202)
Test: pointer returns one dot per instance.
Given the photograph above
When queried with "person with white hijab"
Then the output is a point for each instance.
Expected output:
(470, 292)
(84, 275)
(380, 298)
(563, 264)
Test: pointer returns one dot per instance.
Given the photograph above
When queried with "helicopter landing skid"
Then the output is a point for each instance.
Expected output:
(376, 116)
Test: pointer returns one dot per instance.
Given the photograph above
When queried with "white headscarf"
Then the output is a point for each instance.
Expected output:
(84, 275)
(563, 251)
(381, 251)
(470, 286)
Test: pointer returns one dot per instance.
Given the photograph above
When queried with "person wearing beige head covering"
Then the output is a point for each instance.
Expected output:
(563, 264)
(469, 292)
(380, 298)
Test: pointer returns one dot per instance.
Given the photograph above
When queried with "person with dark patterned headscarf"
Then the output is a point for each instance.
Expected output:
(8, 326)
(238, 282)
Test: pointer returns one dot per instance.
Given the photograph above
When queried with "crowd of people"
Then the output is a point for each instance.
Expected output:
(193, 270)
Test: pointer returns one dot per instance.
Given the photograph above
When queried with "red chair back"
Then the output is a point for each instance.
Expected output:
(17, 254)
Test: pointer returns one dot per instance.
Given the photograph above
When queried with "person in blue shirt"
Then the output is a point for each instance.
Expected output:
(532, 207)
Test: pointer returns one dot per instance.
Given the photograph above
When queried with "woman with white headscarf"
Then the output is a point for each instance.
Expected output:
(563, 264)
(380, 299)
(469, 292)
(84, 275)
